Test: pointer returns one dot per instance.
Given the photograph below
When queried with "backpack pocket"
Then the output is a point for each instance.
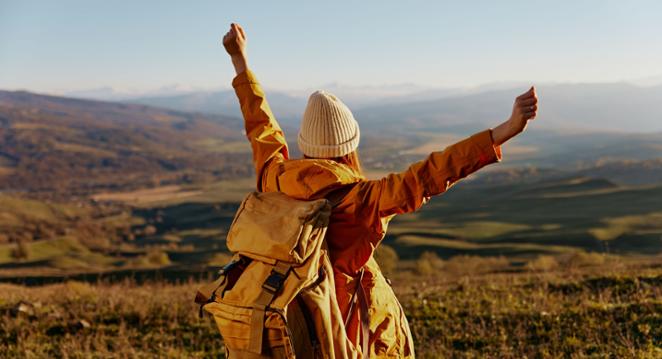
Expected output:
(234, 323)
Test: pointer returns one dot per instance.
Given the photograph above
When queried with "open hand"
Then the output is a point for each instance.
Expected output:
(524, 109)
(234, 41)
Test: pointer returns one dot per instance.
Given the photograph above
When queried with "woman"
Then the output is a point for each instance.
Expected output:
(328, 138)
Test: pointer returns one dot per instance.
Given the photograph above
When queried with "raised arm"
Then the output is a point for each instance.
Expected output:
(264, 133)
(407, 191)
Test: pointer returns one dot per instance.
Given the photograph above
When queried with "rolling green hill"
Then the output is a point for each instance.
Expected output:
(528, 219)
(186, 228)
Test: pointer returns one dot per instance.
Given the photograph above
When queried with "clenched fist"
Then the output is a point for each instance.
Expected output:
(524, 109)
(234, 42)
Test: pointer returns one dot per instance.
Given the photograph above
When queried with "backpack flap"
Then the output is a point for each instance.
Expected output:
(270, 226)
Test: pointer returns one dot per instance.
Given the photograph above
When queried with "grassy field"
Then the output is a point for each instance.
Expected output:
(610, 309)
(564, 268)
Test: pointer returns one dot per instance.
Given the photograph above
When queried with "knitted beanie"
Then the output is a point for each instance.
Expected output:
(328, 128)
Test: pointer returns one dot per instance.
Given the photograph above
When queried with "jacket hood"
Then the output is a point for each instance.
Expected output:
(308, 179)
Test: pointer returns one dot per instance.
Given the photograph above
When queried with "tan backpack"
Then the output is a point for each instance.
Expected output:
(276, 298)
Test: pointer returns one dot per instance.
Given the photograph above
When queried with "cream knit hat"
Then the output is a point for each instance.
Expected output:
(328, 128)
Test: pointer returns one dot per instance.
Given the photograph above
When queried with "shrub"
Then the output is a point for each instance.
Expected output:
(21, 251)
(584, 259)
(387, 258)
(428, 263)
(149, 230)
(543, 263)
(157, 257)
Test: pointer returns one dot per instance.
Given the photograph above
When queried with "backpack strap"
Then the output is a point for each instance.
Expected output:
(352, 301)
(359, 297)
(270, 288)
(365, 319)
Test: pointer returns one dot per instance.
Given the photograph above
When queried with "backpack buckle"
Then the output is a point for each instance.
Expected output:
(274, 282)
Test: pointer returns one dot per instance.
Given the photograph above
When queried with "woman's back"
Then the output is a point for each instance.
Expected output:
(364, 207)
(360, 218)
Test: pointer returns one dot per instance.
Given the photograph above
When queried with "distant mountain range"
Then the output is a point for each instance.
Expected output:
(615, 107)
(608, 106)
(578, 124)
(287, 107)
(598, 106)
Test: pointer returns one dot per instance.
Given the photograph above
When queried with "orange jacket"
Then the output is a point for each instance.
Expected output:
(359, 221)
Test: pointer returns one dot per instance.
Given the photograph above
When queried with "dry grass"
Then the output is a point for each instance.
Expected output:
(589, 312)
(576, 311)
(79, 320)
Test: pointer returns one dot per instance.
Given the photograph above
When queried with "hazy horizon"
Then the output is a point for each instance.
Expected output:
(111, 93)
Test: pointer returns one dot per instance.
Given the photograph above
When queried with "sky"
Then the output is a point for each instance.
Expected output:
(67, 45)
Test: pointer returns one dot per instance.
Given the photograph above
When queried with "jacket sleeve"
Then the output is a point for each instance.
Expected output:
(265, 135)
(407, 191)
